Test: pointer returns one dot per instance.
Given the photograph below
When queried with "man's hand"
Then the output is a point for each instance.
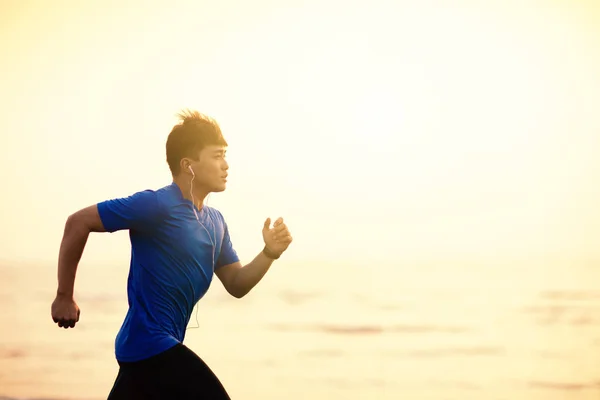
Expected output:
(278, 238)
(65, 311)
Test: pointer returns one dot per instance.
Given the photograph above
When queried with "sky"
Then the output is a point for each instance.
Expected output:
(382, 131)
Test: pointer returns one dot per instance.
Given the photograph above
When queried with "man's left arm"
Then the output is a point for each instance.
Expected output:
(238, 280)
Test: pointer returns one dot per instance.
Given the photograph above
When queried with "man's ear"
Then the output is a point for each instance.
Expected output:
(184, 165)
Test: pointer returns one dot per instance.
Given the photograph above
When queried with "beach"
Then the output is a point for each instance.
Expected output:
(502, 333)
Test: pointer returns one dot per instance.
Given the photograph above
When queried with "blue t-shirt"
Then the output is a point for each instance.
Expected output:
(171, 265)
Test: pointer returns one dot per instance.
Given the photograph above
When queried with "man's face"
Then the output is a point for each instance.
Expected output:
(211, 169)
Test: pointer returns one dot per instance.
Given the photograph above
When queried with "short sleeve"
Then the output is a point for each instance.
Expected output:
(139, 211)
(228, 255)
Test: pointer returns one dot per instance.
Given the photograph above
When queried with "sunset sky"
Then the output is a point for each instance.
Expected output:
(381, 131)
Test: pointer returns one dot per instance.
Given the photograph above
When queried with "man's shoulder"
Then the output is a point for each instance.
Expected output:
(215, 213)
(165, 194)
(157, 198)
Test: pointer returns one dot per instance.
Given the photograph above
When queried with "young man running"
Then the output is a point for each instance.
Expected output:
(177, 246)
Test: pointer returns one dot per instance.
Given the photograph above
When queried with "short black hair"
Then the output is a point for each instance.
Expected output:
(190, 136)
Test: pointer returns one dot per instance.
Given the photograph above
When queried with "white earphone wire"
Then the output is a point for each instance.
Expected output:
(213, 243)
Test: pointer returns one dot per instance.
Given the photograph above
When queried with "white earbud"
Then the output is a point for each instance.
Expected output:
(191, 170)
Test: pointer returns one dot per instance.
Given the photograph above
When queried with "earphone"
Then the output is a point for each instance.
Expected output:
(213, 243)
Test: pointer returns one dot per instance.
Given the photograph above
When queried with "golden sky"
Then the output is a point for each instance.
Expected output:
(381, 130)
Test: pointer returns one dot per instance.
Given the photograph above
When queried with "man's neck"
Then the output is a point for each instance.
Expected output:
(199, 193)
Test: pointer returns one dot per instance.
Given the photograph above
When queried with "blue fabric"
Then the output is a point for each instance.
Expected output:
(171, 265)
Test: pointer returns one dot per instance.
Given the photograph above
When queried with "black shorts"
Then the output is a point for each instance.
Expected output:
(177, 373)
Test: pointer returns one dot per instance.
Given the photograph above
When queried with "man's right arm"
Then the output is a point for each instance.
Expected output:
(140, 211)
(77, 229)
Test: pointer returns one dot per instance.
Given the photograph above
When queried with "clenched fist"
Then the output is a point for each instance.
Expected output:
(65, 311)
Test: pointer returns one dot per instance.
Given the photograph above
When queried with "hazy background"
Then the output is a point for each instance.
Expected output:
(436, 162)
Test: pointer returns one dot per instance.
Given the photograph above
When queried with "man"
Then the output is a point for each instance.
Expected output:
(177, 245)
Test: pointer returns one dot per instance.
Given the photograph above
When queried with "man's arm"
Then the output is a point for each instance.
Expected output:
(139, 211)
(77, 229)
(238, 280)
(65, 311)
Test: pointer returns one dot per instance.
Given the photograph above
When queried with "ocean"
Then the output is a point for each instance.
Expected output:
(439, 331)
